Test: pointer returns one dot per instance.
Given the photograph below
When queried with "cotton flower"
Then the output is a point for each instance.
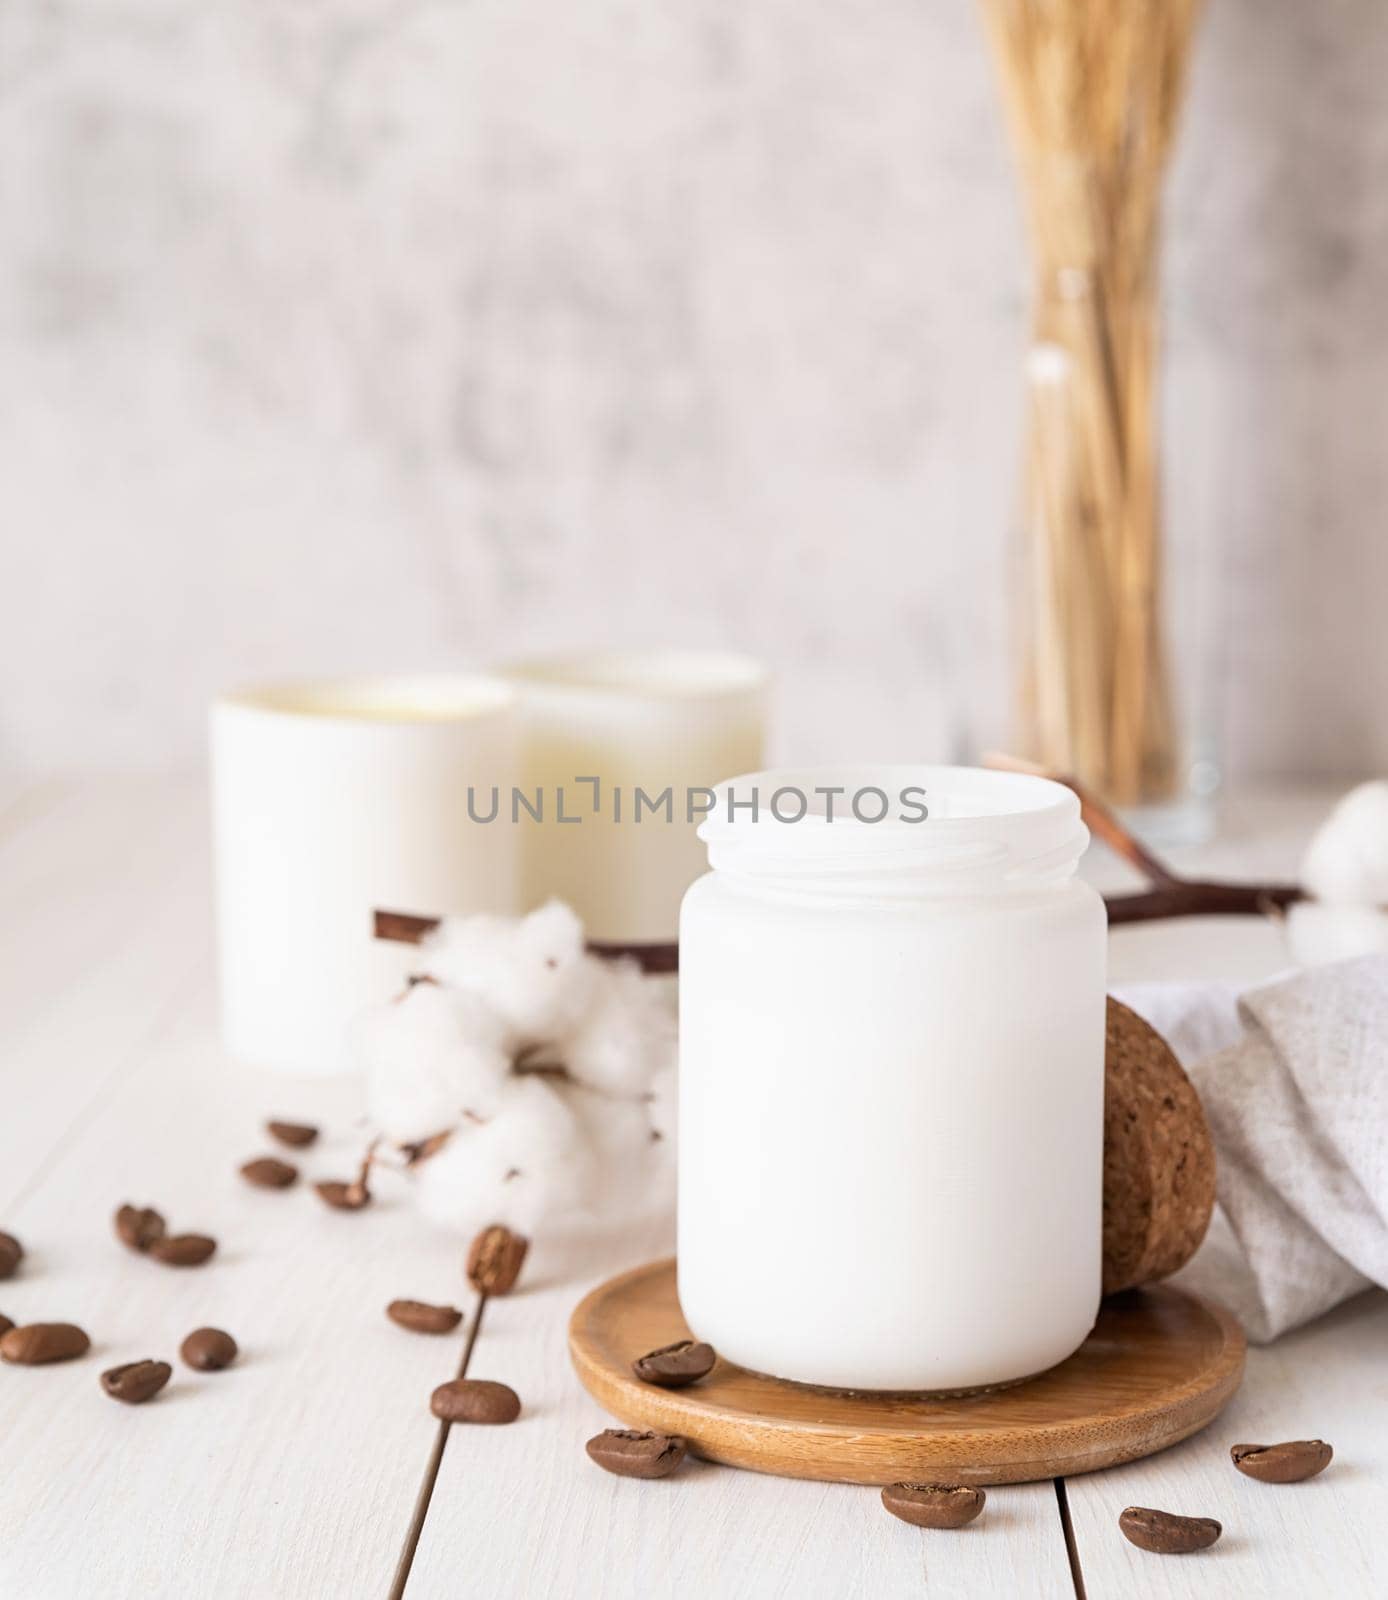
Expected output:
(452, 1064)
(524, 1165)
(1318, 934)
(531, 971)
(1345, 871)
(623, 1036)
(1347, 860)
(631, 1172)
(662, 1106)
(431, 1057)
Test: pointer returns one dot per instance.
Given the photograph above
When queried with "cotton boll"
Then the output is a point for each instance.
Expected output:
(430, 1056)
(625, 1035)
(527, 1163)
(1347, 861)
(531, 970)
(631, 1172)
(1317, 934)
(662, 1108)
(459, 1188)
(662, 1116)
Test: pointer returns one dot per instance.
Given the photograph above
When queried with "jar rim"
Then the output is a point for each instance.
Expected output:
(925, 828)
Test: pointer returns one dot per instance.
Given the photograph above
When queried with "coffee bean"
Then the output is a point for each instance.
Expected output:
(343, 1196)
(495, 1258)
(1291, 1462)
(1166, 1534)
(298, 1135)
(41, 1342)
(674, 1365)
(208, 1349)
(934, 1505)
(5, 1325)
(136, 1381)
(11, 1254)
(420, 1317)
(636, 1455)
(183, 1249)
(138, 1227)
(269, 1172)
(474, 1400)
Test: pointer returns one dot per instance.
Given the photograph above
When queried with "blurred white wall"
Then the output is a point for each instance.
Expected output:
(343, 334)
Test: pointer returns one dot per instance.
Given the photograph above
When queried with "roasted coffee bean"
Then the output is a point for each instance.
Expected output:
(420, 1317)
(208, 1349)
(1291, 1462)
(11, 1254)
(136, 1381)
(674, 1365)
(636, 1455)
(495, 1258)
(5, 1325)
(41, 1342)
(183, 1249)
(934, 1505)
(139, 1226)
(297, 1135)
(269, 1172)
(1166, 1534)
(343, 1196)
(474, 1400)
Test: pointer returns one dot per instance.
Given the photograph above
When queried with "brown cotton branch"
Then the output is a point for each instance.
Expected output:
(1187, 898)
(1097, 817)
(1171, 894)
(408, 927)
(402, 927)
(421, 1149)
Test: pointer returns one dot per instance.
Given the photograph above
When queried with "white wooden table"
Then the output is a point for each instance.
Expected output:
(296, 1474)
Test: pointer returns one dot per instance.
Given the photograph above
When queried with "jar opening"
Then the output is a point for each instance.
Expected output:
(901, 830)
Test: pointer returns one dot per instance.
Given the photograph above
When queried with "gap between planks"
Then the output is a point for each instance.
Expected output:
(431, 1472)
(1072, 1548)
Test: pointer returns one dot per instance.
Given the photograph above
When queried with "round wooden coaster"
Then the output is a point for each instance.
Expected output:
(1158, 1366)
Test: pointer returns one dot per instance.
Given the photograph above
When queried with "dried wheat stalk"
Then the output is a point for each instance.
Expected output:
(1092, 89)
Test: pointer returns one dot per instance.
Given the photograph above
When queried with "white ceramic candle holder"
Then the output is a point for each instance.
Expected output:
(657, 721)
(332, 799)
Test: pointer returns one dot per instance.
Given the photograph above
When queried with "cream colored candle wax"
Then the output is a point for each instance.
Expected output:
(598, 728)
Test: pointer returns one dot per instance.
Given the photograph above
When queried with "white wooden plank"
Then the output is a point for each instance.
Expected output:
(103, 917)
(521, 1511)
(290, 1475)
(1284, 1542)
(295, 1473)
(22, 798)
(1242, 950)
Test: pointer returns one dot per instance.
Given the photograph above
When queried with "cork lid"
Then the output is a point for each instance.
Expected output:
(1159, 1158)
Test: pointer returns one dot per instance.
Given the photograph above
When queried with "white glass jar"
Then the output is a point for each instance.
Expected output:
(892, 1079)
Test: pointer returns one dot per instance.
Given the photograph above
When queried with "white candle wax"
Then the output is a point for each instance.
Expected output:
(331, 800)
(671, 720)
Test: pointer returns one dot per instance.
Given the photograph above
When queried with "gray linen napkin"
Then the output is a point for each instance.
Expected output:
(1294, 1079)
